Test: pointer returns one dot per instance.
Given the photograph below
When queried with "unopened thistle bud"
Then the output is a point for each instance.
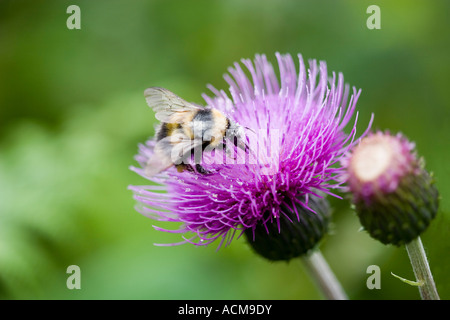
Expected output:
(394, 196)
(297, 230)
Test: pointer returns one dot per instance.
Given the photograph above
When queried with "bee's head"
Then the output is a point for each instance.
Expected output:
(236, 134)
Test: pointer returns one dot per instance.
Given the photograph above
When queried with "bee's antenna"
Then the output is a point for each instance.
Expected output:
(250, 129)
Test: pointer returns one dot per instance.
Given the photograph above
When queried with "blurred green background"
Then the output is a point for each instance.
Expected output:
(72, 112)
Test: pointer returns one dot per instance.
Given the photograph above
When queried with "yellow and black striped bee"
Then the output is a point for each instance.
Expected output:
(185, 131)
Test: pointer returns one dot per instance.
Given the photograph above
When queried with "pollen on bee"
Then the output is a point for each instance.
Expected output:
(180, 168)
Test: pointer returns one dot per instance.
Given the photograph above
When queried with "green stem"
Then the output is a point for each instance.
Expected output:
(321, 272)
(422, 270)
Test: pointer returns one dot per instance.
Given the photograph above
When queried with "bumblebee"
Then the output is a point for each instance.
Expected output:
(185, 131)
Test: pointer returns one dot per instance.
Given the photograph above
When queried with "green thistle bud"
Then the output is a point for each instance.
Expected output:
(394, 196)
(295, 232)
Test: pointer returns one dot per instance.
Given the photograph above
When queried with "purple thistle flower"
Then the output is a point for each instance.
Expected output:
(296, 133)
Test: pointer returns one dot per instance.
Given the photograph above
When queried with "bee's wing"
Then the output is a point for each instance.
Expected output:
(168, 151)
(167, 105)
(157, 163)
(185, 146)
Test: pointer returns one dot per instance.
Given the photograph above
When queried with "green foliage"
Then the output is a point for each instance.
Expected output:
(72, 112)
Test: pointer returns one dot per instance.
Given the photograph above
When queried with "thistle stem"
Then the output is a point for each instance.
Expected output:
(422, 270)
(324, 277)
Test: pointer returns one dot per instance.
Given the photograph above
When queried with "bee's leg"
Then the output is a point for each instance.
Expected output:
(201, 170)
(184, 163)
(195, 155)
(190, 168)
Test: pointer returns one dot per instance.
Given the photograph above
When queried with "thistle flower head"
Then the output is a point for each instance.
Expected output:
(379, 163)
(297, 237)
(394, 196)
(295, 130)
